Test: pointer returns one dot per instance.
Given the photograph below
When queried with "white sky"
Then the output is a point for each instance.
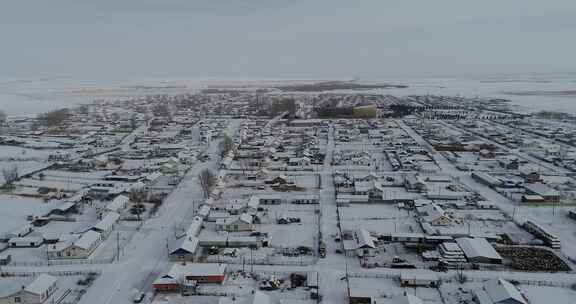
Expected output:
(284, 38)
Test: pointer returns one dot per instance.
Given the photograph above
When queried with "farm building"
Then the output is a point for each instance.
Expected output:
(478, 250)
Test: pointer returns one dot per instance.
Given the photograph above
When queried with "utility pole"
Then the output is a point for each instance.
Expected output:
(118, 246)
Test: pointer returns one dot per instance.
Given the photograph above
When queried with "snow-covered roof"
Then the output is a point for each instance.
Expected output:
(500, 290)
(118, 203)
(195, 227)
(41, 284)
(196, 269)
(365, 239)
(107, 222)
(541, 189)
(88, 239)
(431, 212)
(477, 248)
(10, 286)
(188, 243)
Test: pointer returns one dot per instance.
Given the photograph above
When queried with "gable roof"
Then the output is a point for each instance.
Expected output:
(88, 239)
(500, 290)
(187, 244)
(41, 284)
(106, 223)
(478, 247)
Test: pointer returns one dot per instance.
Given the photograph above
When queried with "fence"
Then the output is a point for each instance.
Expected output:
(63, 273)
(64, 262)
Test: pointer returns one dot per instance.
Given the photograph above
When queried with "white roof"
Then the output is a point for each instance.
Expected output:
(41, 284)
(365, 239)
(107, 222)
(500, 290)
(195, 227)
(541, 189)
(196, 269)
(88, 239)
(118, 203)
(477, 248)
(188, 243)
(431, 212)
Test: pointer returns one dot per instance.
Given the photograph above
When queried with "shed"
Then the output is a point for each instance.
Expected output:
(478, 250)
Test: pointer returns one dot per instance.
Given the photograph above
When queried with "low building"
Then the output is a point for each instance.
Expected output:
(75, 248)
(498, 291)
(106, 225)
(548, 194)
(478, 250)
(451, 253)
(244, 222)
(179, 273)
(423, 279)
(434, 215)
(38, 291)
(184, 250)
(27, 241)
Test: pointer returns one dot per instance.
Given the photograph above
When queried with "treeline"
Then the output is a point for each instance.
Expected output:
(53, 118)
(335, 112)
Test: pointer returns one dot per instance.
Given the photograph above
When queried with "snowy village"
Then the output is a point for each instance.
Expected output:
(282, 196)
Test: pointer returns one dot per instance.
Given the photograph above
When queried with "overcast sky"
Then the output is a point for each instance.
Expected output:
(123, 39)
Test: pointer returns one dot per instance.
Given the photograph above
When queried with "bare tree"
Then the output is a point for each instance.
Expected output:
(225, 145)
(10, 176)
(138, 196)
(207, 181)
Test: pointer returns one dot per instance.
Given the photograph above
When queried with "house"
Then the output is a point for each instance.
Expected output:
(434, 215)
(36, 292)
(118, 203)
(26, 241)
(478, 250)
(184, 250)
(78, 248)
(415, 183)
(498, 291)
(421, 278)
(365, 244)
(548, 194)
(243, 222)
(105, 226)
(182, 272)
